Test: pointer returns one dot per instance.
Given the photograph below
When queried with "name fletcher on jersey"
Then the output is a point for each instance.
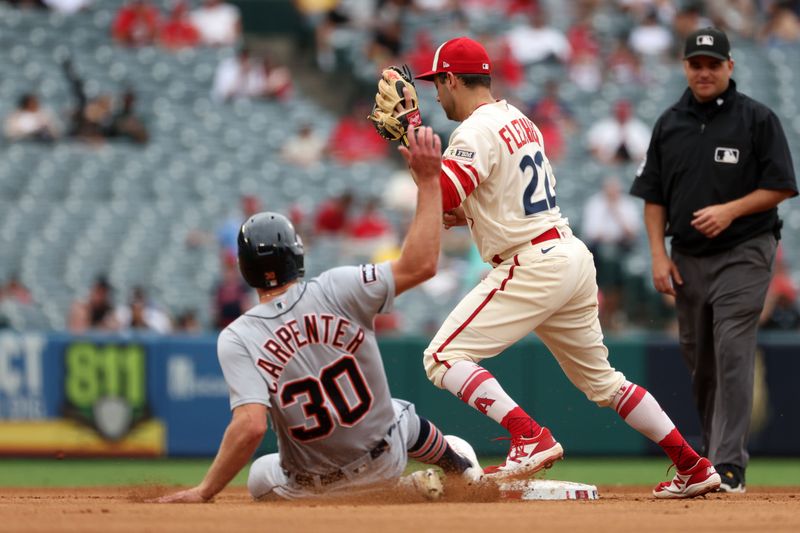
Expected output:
(327, 329)
(521, 131)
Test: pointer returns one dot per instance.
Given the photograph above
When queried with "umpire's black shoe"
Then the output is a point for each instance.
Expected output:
(732, 478)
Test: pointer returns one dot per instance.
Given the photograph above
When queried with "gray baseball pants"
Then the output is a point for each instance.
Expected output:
(718, 308)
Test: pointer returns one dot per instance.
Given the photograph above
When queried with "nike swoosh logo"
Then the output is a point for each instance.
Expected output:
(545, 250)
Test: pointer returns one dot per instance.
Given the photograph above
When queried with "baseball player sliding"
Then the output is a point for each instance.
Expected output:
(306, 355)
(496, 179)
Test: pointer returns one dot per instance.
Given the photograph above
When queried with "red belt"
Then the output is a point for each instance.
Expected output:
(548, 235)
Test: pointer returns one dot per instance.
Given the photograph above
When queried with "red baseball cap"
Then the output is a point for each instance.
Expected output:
(461, 55)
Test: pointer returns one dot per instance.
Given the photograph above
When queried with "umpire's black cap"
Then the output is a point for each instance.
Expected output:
(708, 42)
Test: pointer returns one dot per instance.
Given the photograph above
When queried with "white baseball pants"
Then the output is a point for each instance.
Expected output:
(549, 288)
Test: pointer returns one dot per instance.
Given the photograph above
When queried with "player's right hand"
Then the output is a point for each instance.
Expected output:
(185, 496)
(454, 217)
(424, 153)
(665, 275)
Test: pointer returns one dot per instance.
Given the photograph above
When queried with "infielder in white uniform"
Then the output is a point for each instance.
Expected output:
(306, 355)
(496, 179)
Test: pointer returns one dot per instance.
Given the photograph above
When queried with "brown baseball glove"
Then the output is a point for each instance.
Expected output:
(396, 104)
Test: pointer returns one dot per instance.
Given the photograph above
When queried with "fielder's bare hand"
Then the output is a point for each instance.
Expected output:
(712, 220)
(424, 154)
(665, 275)
(454, 217)
(408, 104)
(192, 495)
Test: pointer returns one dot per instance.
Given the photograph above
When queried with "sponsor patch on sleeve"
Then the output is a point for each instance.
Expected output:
(369, 273)
(460, 154)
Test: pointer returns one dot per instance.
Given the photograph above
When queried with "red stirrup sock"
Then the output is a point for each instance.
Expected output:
(520, 424)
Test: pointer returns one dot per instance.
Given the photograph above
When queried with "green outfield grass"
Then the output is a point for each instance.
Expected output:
(105, 472)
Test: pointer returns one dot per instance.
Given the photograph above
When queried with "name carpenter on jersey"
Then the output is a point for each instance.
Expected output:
(335, 331)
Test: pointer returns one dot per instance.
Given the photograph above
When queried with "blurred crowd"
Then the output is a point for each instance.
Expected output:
(605, 42)
(142, 23)
(641, 30)
(93, 120)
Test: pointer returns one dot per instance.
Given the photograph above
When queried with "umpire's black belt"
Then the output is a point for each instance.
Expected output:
(310, 480)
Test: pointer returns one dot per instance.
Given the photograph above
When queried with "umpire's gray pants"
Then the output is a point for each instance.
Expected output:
(718, 308)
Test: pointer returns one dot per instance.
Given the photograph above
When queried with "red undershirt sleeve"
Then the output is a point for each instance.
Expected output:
(450, 198)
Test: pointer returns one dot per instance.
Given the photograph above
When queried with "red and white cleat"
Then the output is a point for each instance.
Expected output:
(527, 456)
(698, 480)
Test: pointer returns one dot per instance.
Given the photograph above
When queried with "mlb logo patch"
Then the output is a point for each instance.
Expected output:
(726, 155)
(485, 66)
(369, 274)
(705, 40)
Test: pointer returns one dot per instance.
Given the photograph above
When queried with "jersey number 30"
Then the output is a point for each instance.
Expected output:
(343, 372)
(543, 204)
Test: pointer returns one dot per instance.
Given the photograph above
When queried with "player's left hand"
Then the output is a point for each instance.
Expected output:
(712, 220)
(192, 495)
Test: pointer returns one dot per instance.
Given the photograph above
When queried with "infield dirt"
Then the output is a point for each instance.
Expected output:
(619, 509)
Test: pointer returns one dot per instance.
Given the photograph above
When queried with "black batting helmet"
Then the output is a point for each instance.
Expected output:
(270, 251)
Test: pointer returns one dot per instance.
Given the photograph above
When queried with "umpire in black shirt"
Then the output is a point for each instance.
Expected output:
(716, 169)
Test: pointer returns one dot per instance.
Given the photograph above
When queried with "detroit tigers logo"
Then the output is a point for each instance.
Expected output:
(483, 404)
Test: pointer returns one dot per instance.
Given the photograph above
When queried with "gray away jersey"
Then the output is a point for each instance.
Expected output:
(311, 357)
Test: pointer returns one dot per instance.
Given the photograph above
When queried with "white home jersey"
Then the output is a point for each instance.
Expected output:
(496, 161)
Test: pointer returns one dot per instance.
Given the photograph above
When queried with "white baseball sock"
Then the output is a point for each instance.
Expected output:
(642, 412)
(477, 387)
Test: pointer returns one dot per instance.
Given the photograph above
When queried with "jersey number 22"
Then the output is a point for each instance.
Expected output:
(530, 205)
